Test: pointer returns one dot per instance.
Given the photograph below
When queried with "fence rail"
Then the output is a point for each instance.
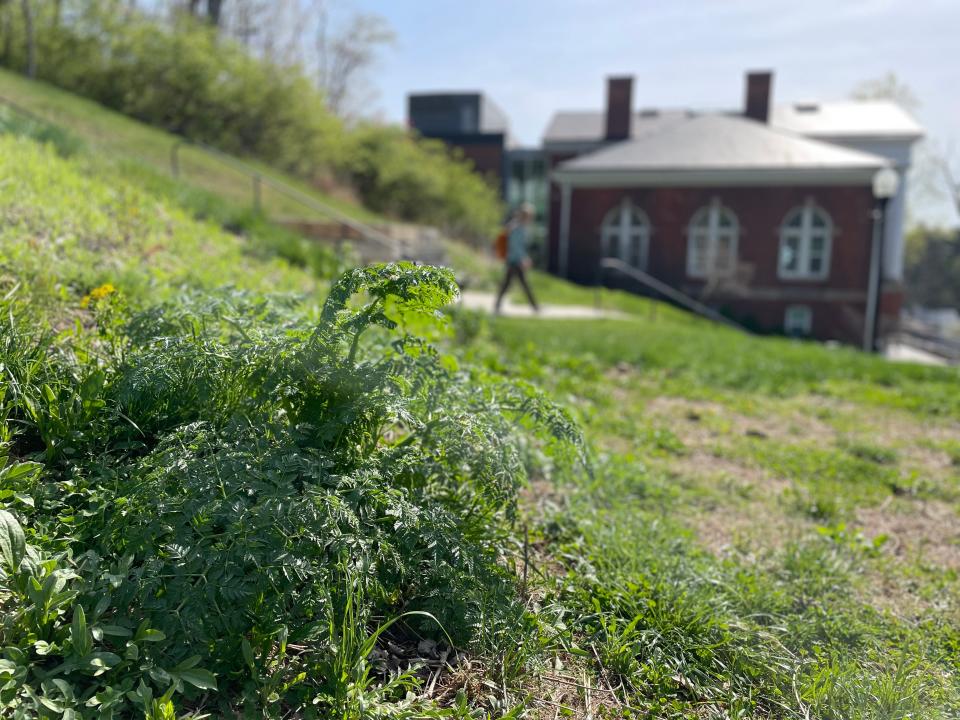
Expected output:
(258, 180)
(929, 340)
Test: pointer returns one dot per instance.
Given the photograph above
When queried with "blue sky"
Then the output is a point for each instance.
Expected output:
(537, 56)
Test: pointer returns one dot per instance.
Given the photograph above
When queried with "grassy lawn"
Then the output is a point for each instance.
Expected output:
(232, 505)
(771, 529)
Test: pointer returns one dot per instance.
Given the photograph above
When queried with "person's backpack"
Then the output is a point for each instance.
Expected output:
(500, 245)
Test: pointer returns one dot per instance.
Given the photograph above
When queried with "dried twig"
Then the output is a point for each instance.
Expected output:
(603, 675)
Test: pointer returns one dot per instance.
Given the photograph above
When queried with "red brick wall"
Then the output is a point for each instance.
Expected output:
(760, 211)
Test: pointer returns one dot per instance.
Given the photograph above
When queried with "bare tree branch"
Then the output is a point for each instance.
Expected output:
(342, 58)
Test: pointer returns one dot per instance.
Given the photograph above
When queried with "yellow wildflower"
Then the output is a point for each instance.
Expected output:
(98, 293)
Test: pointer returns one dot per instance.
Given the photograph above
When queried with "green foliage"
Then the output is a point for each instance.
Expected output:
(932, 268)
(416, 180)
(226, 478)
(186, 79)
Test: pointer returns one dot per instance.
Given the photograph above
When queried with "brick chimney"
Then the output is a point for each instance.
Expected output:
(619, 108)
(757, 104)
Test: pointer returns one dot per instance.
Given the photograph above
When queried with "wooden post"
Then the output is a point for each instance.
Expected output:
(256, 192)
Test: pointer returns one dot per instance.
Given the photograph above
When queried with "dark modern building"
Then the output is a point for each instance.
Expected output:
(468, 121)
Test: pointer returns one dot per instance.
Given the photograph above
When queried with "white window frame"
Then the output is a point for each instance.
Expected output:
(618, 230)
(805, 235)
(804, 327)
(711, 233)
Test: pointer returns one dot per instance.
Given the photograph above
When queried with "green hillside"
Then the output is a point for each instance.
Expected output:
(120, 137)
(222, 495)
(67, 227)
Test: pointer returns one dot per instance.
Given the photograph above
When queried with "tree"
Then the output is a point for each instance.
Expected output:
(932, 268)
(888, 87)
(214, 10)
(343, 57)
(6, 14)
(931, 175)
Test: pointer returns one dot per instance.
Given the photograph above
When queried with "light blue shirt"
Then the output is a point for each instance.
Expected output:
(517, 244)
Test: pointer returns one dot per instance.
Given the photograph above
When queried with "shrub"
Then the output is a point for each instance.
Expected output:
(415, 180)
(224, 478)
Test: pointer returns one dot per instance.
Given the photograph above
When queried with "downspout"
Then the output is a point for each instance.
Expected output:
(564, 249)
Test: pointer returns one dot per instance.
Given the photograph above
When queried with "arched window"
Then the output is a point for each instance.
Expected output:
(712, 241)
(805, 239)
(626, 234)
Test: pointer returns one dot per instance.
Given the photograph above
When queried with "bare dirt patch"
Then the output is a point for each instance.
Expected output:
(740, 506)
(698, 420)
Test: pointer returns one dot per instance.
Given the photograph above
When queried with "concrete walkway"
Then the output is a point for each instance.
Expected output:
(475, 300)
(899, 352)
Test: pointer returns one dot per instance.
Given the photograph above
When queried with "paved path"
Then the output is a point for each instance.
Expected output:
(905, 353)
(475, 300)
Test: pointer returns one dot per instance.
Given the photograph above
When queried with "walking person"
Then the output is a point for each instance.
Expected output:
(517, 260)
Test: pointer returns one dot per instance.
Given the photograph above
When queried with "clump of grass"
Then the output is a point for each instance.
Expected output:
(871, 453)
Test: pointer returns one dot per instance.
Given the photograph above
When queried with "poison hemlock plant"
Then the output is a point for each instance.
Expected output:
(230, 491)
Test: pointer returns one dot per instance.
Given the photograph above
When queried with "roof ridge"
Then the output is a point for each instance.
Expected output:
(762, 146)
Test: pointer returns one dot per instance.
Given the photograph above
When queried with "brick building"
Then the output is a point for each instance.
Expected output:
(766, 214)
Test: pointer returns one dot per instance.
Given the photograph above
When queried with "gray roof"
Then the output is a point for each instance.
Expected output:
(843, 119)
(579, 126)
(847, 119)
(720, 143)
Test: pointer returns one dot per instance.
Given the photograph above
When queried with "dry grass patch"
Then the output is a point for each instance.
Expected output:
(920, 532)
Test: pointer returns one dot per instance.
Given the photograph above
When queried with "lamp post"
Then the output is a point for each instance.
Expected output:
(885, 185)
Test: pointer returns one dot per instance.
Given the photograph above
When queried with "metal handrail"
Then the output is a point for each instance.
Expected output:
(283, 188)
(610, 263)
